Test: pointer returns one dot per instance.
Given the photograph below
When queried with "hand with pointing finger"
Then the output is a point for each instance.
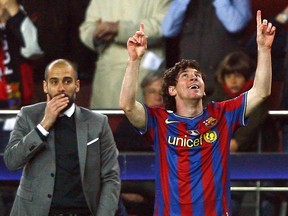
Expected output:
(265, 32)
(137, 44)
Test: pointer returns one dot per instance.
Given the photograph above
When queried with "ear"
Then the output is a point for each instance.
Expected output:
(45, 88)
(77, 85)
(172, 90)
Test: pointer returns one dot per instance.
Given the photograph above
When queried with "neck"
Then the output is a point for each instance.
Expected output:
(190, 108)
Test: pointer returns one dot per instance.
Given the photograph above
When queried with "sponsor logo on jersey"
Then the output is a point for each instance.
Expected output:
(186, 141)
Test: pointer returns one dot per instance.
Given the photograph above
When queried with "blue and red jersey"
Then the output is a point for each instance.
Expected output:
(192, 158)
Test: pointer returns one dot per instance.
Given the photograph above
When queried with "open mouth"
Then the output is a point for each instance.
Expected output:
(193, 86)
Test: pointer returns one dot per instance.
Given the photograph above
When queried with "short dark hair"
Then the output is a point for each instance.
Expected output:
(237, 61)
(170, 79)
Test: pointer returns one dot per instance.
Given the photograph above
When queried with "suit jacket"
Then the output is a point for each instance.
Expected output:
(97, 151)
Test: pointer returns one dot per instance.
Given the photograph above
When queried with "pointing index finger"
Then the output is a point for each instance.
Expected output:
(142, 27)
(258, 18)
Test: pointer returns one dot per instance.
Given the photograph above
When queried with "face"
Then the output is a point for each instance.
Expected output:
(234, 82)
(61, 80)
(190, 85)
(153, 93)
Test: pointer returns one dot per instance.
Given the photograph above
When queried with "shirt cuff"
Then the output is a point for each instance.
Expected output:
(41, 131)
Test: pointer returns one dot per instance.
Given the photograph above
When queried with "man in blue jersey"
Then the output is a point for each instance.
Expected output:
(191, 141)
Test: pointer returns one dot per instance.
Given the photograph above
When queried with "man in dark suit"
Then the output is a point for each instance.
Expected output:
(68, 153)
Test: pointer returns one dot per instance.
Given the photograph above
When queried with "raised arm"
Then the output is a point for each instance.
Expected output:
(262, 83)
(136, 45)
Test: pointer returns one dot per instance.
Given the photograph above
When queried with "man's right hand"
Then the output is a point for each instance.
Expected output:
(53, 108)
(137, 44)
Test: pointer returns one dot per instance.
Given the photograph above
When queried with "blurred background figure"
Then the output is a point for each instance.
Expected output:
(19, 44)
(197, 24)
(151, 86)
(234, 76)
(107, 26)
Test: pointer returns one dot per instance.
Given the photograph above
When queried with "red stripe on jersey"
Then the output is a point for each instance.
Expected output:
(237, 102)
(164, 168)
(184, 178)
(224, 150)
(207, 180)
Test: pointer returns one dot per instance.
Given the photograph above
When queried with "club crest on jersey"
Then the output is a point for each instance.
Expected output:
(210, 136)
(210, 122)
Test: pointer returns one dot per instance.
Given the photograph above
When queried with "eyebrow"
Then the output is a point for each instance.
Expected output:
(195, 70)
(57, 78)
(53, 78)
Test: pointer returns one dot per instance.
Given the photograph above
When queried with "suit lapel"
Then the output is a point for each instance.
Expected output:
(82, 138)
